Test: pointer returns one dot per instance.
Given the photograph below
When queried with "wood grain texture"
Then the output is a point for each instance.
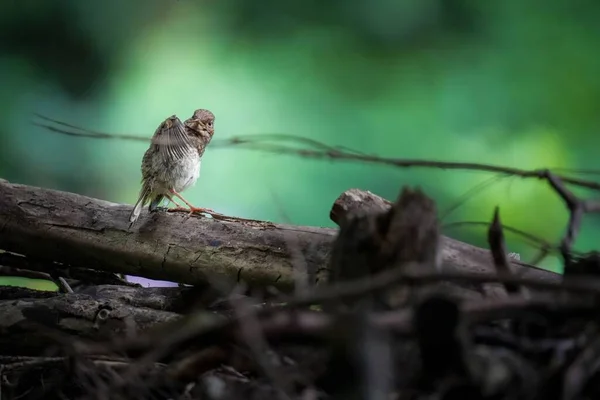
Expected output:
(98, 314)
(51, 225)
(85, 232)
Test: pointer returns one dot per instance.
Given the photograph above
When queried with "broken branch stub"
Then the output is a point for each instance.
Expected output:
(370, 242)
(456, 256)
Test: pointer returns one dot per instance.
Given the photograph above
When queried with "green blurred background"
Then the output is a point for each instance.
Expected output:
(505, 82)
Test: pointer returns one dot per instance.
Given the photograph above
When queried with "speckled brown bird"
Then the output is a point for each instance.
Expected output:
(172, 162)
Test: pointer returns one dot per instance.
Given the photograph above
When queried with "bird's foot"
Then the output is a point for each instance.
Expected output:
(201, 210)
(192, 210)
(178, 209)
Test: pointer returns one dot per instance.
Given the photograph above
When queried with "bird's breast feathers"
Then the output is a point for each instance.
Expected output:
(185, 173)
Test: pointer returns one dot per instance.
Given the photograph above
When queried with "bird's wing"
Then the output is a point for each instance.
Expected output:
(171, 139)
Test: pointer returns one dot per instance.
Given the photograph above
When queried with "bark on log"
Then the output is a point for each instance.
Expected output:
(100, 313)
(50, 225)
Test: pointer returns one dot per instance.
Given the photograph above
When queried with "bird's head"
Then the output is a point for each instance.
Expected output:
(202, 124)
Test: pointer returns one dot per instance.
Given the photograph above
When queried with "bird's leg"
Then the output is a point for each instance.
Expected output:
(192, 209)
(172, 200)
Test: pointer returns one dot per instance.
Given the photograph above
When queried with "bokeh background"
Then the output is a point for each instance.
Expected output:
(507, 82)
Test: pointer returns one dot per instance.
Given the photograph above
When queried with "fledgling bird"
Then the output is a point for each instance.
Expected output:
(172, 162)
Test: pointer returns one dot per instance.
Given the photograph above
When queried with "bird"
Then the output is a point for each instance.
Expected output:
(172, 162)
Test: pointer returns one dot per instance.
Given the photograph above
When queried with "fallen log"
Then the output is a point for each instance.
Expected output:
(48, 319)
(53, 226)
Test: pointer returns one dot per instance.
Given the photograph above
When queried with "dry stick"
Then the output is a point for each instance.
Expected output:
(400, 320)
(7, 260)
(470, 194)
(6, 270)
(581, 370)
(24, 362)
(408, 163)
(162, 342)
(392, 277)
(23, 273)
(147, 301)
(485, 310)
(576, 209)
(82, 132)
(534, 240)
(31, 268)
(540, 256)
(63, 285)
(498, 249)
(278, 324)
(250, 329)
(323, 151)
(545, 248)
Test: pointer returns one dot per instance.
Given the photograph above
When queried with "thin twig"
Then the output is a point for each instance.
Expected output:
(50, 269)
(24, 273)
(251, 331)
(498, 250)
(63, 285)
(576, 211)
(392, 277)
(319, 150)
(469, 194)
(534, 240)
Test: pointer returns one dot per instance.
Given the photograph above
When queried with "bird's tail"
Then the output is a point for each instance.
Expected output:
(136, 211)
(144, 193)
